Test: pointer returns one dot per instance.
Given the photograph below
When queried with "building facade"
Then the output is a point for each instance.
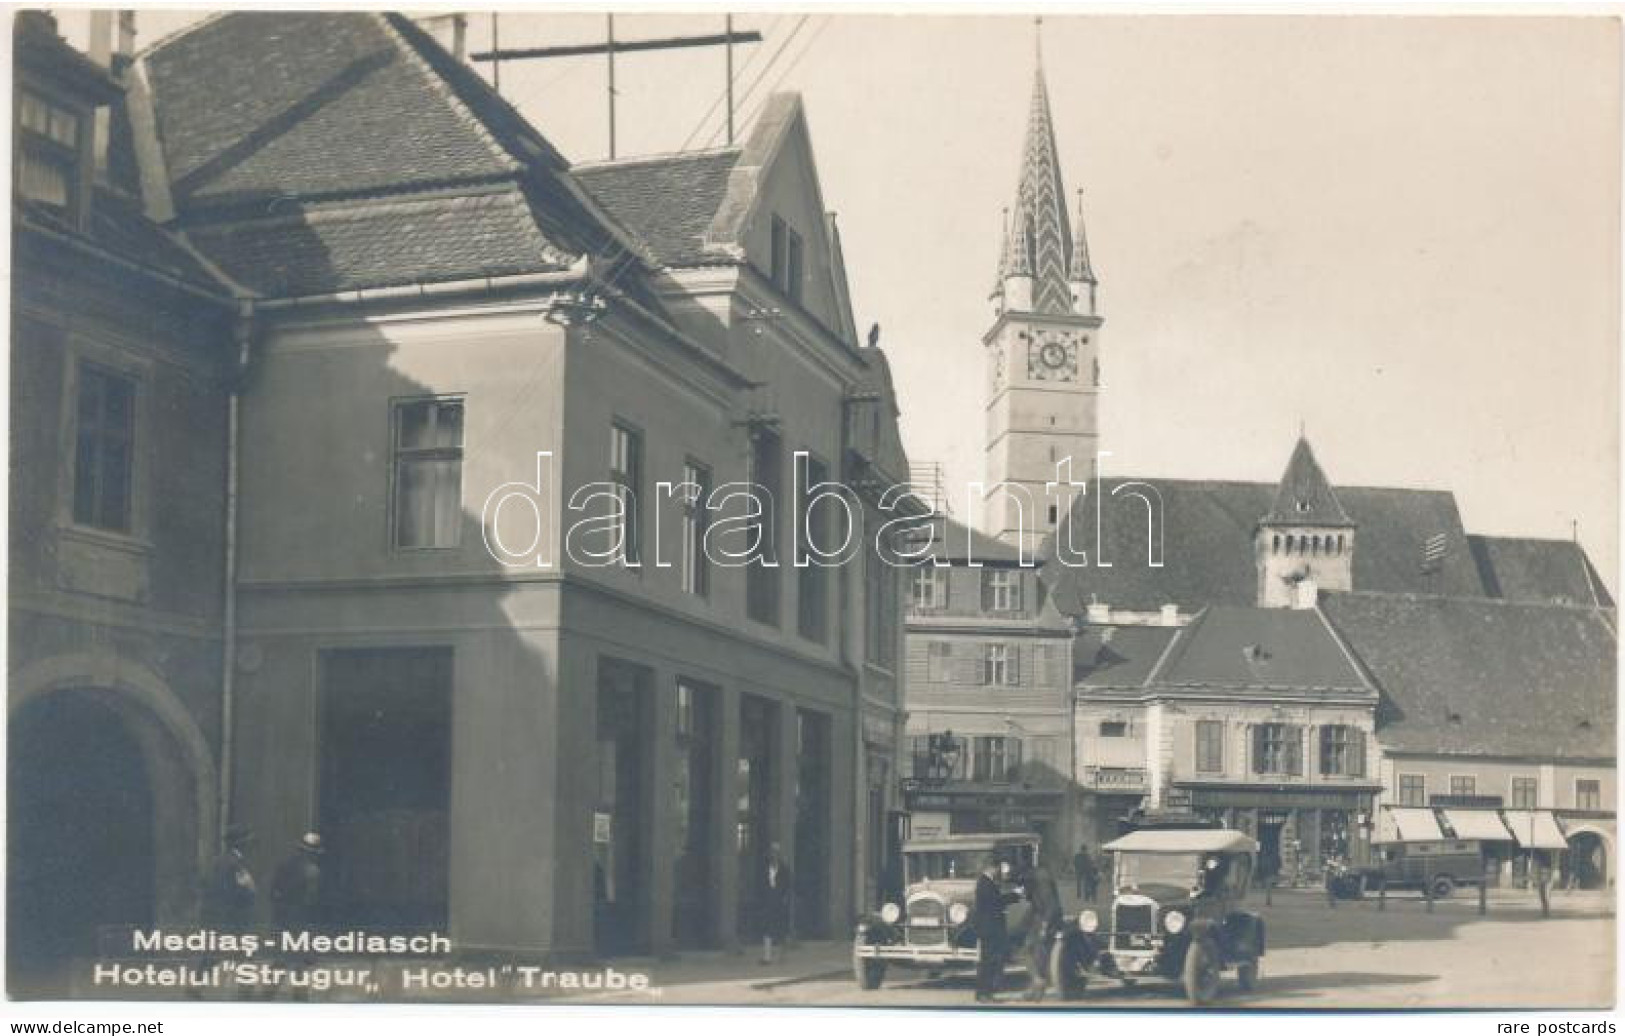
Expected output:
(1453, 654)
(1256, 718)
(507, 535)
(989, 685)
(121, 370)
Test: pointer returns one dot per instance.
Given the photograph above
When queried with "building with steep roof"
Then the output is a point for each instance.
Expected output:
(439, 570)
(1259, 718)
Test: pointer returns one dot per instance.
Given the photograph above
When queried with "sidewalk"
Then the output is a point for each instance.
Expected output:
(804, 962)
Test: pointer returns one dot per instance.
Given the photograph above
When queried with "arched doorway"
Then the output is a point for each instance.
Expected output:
(1588, 860)
(80, 850)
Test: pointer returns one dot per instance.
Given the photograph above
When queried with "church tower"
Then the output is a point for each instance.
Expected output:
(1043, 350)
(1305, 543)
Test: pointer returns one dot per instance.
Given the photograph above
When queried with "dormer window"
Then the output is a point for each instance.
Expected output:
(787, 260)
(49, 151)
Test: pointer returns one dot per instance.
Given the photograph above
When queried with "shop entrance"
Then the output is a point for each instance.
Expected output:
(620, 824)
(753, 800)
(385, 797)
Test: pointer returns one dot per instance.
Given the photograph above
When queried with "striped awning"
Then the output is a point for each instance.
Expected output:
(1481, 825)
(1408, 824)
(1535, 829)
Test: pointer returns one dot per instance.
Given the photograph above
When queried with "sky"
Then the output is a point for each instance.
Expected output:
(1398, 233)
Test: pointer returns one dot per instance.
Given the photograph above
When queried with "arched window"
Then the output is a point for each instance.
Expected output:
(1314, 545)
(1290, 543)
(1340, 543)
(1276, 549)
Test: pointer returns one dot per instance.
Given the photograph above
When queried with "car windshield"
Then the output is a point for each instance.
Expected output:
(962, 863)
(935, 864)
(1170, 870)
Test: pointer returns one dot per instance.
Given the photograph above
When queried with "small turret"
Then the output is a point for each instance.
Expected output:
(1306, 542)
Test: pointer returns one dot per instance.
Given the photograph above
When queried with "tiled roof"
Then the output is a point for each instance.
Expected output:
(668, 201)
(1305, 497)
(341, 246)
(957, 542)
(313, 152)
(1207, 542)
(1484, 677)
(1236, 647)
(251, 105)
(1118, 656)
(117, 226)
(1554, 571)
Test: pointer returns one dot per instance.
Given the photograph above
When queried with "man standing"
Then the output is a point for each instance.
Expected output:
(773, 903)
(229, 898)
(1045, 899)
(296, 889)
(1088, 873)
(992, 931)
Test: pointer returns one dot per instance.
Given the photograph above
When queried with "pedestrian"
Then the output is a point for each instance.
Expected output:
(992, 929)
(1089, 881)
(1080, 862)
(1044, 920)
(296, 888)
(773, 903)
(296, 902)
(230, 896)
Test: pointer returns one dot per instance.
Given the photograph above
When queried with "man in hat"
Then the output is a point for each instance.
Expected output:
(229, 898)
(296, 890)
(992, 929)
(296, 901)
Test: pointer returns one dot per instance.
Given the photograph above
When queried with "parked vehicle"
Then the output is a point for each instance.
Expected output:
(1437, 867)
(929, 930)
(1174, 915)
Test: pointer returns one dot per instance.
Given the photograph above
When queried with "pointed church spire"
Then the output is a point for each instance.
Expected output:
(1082, 271)
(1040, 240)
(1305, 496)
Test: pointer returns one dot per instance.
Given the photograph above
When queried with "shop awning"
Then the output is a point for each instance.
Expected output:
(1480, 825)
(1535, 829)
(1408, 824)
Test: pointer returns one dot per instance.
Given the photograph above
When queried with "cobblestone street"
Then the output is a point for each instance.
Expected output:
(1353, 956)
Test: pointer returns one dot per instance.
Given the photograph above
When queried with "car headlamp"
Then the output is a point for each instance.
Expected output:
(1174, 922)
(1088, 921)
(957, 913)
(890, 913)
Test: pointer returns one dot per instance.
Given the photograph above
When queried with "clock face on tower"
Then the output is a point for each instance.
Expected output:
(1052, 356)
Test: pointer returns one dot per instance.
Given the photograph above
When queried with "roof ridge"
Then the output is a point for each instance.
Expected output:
(652, 159)
(438, 83)
(185, 30)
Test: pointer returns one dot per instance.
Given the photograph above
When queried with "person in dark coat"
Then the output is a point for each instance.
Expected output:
(992, 929)
(1039, 889)
(1087, 872)
(296, 901)
(296, 888)
(773, 903)
(231, 893)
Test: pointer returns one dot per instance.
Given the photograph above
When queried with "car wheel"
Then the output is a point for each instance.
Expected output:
(1066, 972)
(1201, 972)
(868, 971)
(1443, 885)
(1247, 976)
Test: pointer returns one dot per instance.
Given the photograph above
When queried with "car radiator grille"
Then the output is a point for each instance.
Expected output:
(1133, 925)
(926, 923)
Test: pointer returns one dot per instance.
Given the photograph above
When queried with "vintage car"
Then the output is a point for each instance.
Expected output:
(930, 929)
(1173, 915)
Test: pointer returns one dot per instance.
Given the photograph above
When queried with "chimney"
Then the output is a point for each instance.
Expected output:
(112, 46)
(1099, 614)
(1170, 615)
(125, 47)
(450, 31)
(1305, 593)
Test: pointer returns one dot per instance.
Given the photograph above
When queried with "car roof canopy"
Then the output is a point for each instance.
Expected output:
(1183, 841)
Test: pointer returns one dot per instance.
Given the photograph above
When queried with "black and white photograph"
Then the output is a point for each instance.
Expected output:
(1041, 512)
